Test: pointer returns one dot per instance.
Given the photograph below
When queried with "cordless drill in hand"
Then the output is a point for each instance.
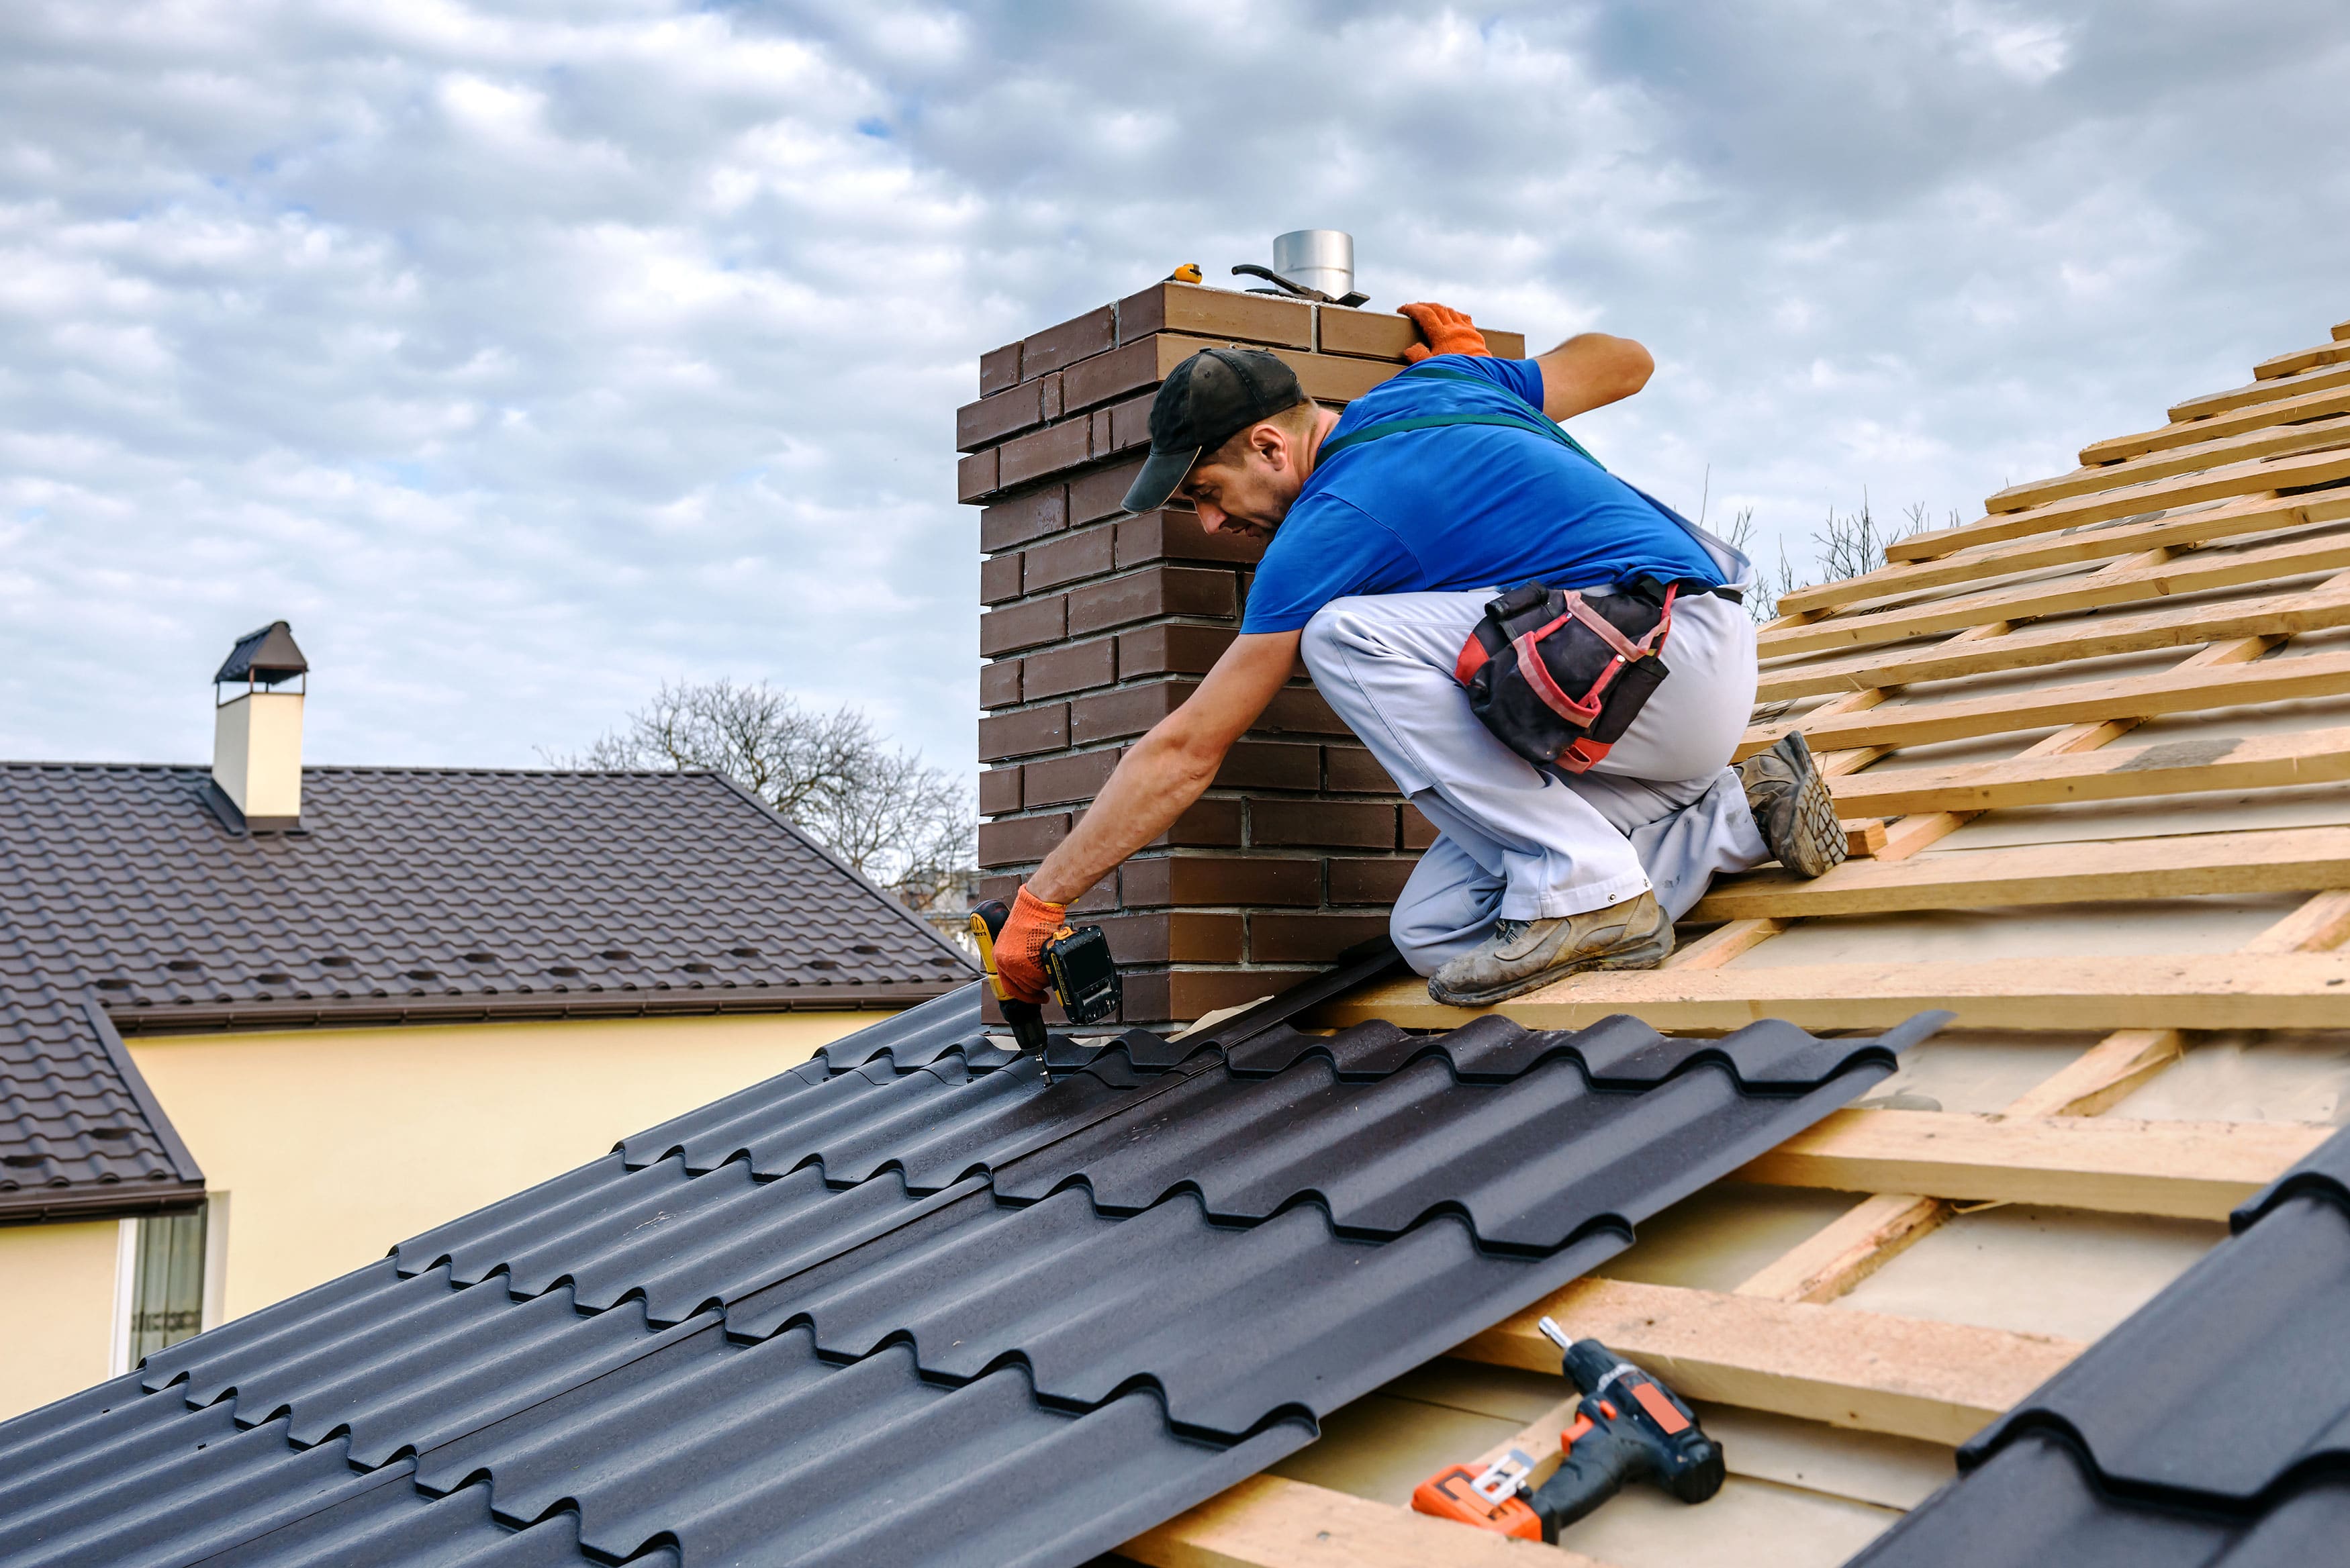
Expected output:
(1076, 960)
(1630, 1426)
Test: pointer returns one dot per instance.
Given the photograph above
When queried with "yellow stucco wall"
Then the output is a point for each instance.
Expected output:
(333, 1145)
(57, 1310)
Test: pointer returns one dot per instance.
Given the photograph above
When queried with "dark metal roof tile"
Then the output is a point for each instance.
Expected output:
(1027, 1365)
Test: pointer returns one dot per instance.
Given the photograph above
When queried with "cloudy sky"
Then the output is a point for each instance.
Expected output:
(526, 355)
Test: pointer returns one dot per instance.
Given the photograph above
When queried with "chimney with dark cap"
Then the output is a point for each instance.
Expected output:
(1100, 620)
(257, 728)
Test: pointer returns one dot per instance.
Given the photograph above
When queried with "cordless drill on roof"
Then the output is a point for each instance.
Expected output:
(1630, 1426)
(1076, 960)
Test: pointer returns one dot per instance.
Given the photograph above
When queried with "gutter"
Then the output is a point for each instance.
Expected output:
(342, 1013)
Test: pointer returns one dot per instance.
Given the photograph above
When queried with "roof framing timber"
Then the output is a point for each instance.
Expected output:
(2269, 439)
(2196, 573)
(2222, 483)
(2130, 773)
(1267, 1522)
(2313, 608)
(2180, 690)
(2180, 1170)
(2265, 512)
(2258, 391)
(2290, 860)
(2197, 990)
(2309, 405)
(1874, 1371)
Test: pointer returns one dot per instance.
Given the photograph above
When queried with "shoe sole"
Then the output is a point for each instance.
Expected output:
(1647, 955)
(1817, 846)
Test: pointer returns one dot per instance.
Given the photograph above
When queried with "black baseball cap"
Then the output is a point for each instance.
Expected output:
(1204, 402)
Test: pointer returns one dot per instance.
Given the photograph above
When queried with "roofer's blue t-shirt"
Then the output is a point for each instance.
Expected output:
(1459, 506)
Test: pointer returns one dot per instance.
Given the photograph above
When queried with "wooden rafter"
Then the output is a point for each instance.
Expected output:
(2169, 438)
(2169, 767)
(1267, 1522)
(2258, 391)
(2263, 442)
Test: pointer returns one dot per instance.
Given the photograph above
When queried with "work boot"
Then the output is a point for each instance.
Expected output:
(1793, 807)
(1522, 955)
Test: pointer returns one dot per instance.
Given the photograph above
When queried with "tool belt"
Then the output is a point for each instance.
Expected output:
(1558, 675)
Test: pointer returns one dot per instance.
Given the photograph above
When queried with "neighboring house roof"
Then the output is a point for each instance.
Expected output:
(127, 903)
(2211, 1428)
(912, 1304)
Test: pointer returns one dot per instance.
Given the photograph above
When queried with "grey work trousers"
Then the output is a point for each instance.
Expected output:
(1662, 810)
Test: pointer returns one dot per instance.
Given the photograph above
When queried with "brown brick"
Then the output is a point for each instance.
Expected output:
(1299, 710)
(999, 579)
(1151, 592)
(1097, 425)
(1130, 711)
(1058, 347)
(1378, 882)
(1063, 781)
(1101, 494)
(1216, 313)
(1418, 832)
(1057, 671)
(999, 792)
(1335, 378)
(1040, 452)
(975, 475)
(1024, 517)
(1174, 533)
(1051, 388)
(1102, 895)
(1024, 734)
(1021, 838)
(1171, 650)
(1211, 824)
(1195, 880)
(1097, 899)
(1029, 625)
(999, 369)
(1130, 423)
(1268, 764)
(991, 419)
(999, 684)
(1308, 938)
(1377, 335)
(1107, 376)
(1351, 770)
(1181, 995)
(1180, 936)
(1089, 552)
(1336, 823)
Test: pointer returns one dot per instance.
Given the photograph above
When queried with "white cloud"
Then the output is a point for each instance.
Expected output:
(524, 355)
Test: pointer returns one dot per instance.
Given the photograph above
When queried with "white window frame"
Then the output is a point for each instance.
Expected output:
(126, 1277)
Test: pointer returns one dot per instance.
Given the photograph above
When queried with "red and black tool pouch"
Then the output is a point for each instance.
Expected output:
(1558, 675)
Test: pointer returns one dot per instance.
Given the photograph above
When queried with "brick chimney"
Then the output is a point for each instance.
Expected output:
(1099, 622)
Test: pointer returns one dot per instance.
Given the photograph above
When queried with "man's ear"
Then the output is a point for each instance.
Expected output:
(1271, 443)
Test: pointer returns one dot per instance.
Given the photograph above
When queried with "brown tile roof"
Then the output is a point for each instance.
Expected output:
(408, 894)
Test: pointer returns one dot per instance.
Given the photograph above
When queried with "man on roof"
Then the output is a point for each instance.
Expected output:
(1391, 530)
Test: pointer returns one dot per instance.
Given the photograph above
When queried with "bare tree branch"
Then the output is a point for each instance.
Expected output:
(905, 825)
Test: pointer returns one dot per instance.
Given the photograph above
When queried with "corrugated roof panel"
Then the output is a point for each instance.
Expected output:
(1137, 1284)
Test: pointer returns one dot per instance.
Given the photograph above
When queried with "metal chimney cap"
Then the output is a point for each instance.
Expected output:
(1319, 258)
(264, 658)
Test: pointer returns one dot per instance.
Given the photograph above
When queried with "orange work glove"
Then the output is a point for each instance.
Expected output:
(1020, 951)
(1448, 332)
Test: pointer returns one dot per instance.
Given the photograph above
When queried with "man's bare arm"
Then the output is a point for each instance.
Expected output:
(1167, 768)
(1590, 371)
